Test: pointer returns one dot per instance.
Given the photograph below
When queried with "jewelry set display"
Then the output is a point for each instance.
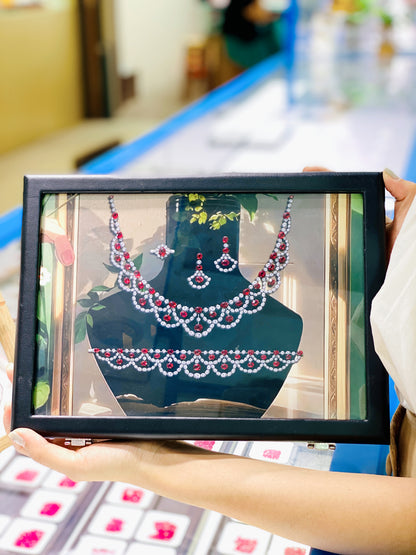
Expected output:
(198, 321)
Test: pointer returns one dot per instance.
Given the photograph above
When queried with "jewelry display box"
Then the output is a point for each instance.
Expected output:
(233, 307)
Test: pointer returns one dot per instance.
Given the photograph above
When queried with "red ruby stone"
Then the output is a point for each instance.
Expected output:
(197, 367)
(140, 285)
(182, 356)
(143, 363)
(251, 352)
(115, 215)
(276, 352)
(257, 285)
(255, 303)
(131, 355)
(300, 353)
(281, 235)
(198, 327)
(276, 363)
(282, 259)
(288, 357)
(224, 366)
(246, 291)
(225, 239)
(117, 246)
(212, 314)
(199, 256)
(145, 351)
(229, 318)
(184, 314)
(167, 318)
(169, 365)
(119, 235)
(158, 302)
(119, 361)
(198, 309)
(225, 250)
(119, 350)
(117, 258)
(162, 251)
(126, 281)
(239, 303)
(282, 247)
(224, 304)
(250, 364)
(152, 291)
(107, 354)
(199, 279)
(237, 357)
(172, 304)
(273, 256)
(263, 357)
(262, 274)
(225, 263)
(142, 302)
(156, 355)
(170, 351)
(127, 267)
(224, 352)
(96, 350)
(211, 357)
(197, 352)
(271, 282)
(271, 267)
(137, 273)
(126, 255)
(286, 215)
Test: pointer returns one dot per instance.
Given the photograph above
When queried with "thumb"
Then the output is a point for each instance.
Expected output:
(397, 187)
(29, 443)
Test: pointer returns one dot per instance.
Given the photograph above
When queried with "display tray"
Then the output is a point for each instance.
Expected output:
(222, 307)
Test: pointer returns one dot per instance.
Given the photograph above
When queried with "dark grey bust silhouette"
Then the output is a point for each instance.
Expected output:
(121, 325)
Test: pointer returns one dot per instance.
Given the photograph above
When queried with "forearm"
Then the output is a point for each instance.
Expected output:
(344, 513)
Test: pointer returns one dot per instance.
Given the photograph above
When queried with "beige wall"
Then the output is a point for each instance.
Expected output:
(40, 75)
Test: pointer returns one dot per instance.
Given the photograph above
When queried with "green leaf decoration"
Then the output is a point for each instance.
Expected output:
(93, 296)
(202, 218)
(86, 303)
(249, 203)
(41, 394)
(98, 307)
(100, 288)
(193, 197)
(80, 327)
(138, 261)
(89, 319)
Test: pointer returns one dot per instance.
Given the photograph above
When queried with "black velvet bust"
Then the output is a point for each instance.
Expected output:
(122, 325)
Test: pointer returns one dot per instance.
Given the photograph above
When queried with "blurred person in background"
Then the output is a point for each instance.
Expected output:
(251, 32)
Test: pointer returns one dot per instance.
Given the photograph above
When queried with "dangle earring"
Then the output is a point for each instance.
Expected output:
(198, 280)
(162, 251)
(225, 263)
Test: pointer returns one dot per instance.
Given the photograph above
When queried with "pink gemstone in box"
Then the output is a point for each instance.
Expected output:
(132, 495)
(164, 531)
(50, 509)
(29, 539)
(27, 475)
(114, 525)
(272, 454)
(245, 545)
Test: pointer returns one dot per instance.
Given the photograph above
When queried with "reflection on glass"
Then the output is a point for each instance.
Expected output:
(209, 305)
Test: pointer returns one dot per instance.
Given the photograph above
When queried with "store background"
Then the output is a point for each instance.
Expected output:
(81, 78)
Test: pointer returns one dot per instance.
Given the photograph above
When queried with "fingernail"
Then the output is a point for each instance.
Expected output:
(17, 438)
(391, 173)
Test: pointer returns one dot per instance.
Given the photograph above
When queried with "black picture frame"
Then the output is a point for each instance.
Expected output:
(372, 427)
